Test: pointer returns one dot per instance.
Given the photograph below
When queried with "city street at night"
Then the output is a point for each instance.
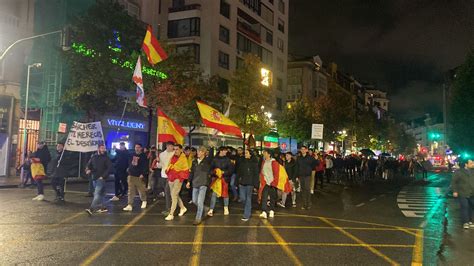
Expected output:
(360, 224)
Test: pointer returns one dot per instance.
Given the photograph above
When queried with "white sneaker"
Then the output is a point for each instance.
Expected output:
(226, 210)
(182, 211)
(312, 192)
(465, 226)
(40, 197)
(210, 212)
(170, 217)
(144, 205)
(35, 198)
(281, 204)
(272, 214)
(128, 208)
(263, 215)
(115, 198)
(471, 225)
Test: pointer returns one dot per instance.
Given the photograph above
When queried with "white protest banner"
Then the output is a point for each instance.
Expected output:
(84, 137)
(317, 131)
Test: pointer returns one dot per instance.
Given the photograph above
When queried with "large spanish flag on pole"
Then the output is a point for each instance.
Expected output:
(169, 130)
(152, 48)
(215, 119)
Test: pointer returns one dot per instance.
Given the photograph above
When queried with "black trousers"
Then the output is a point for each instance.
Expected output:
(305, 183)
(320, 177)
(58, 186)
(272, 192)
(121, 184)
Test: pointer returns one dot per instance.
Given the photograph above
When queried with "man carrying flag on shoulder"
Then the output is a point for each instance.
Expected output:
(272, 177)
(177, 171)
(222, 168)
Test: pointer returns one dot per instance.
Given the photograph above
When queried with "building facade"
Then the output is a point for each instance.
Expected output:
(16, 22)
(306, 79)
(220, 33)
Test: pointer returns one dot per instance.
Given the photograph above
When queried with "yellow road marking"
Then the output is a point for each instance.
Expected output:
(221, 226)
(283, 244)
(220, 243)
(117, 235)
(197, 244)
(367, 246)
(70, 218)
(417, 259)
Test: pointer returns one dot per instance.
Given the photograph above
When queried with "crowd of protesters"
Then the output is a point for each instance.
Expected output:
(235, 175)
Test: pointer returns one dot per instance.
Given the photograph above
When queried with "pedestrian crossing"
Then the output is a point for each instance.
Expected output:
(416, 202)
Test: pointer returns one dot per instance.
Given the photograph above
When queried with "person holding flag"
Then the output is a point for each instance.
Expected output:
(177, 171)
(272, 177)
(222, 169)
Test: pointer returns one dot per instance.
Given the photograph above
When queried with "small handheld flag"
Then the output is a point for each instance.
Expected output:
(138, 80)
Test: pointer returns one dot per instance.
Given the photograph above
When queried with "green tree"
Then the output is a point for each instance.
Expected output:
(332, 111)
(103, 34)
(248, 96)
(296, 120)
(461, 108)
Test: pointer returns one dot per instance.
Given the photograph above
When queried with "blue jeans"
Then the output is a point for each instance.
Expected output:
(232, 185)
(99, 194)
(91, 185)
(466, 205)
(214, 199)
(246, 198)
(199, 195)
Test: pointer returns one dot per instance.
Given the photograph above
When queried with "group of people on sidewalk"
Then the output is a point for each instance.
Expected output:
(462, 185)
(170, 172)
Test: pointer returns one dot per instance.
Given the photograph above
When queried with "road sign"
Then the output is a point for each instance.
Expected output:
(317, 131)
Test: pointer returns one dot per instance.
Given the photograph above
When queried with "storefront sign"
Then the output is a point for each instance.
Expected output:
(116, 122)
(62, 128)
(317, 131)
(84, 137)
(270, 139)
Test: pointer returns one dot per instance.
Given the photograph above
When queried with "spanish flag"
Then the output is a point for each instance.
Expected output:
(37, 169)
(169, 130)
(219, 186)
(152, 48)
(280, 179)
(215, 119)
(178, 168)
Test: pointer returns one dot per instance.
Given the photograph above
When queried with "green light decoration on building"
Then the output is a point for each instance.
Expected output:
(82, 49)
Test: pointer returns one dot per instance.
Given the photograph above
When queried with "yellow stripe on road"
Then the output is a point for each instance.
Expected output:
(417, 259)
(114, 238)
(283, 244)
(367, 246)
(196, 252)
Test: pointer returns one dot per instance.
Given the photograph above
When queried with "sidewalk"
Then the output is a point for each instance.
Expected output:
(13, 182)
(457, 245)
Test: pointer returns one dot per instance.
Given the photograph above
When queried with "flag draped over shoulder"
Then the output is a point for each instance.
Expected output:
(178, 168)
(219, 186)
(152, 48)
(280, 179)
(215, 119)
(37, 169)
(169, 130)
(138, 80)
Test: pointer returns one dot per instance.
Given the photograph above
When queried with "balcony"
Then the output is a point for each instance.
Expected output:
(184, 8)
(247, 30)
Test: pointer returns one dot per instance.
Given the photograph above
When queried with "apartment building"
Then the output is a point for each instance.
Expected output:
(220, 32)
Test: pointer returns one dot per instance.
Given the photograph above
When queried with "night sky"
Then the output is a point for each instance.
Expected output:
(402, 46)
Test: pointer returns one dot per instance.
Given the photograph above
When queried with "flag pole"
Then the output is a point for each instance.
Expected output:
(121, 117)
(150, 121)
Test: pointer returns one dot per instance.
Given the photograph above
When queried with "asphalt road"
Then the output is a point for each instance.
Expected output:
(357, 225)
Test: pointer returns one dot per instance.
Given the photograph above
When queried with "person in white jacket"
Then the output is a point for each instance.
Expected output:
(165, 158)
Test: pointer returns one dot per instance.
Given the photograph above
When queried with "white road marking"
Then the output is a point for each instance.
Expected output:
(360, 205)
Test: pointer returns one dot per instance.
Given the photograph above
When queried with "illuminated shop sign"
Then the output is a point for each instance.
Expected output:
(114, 122)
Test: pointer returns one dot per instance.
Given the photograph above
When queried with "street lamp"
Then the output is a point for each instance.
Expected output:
(25, 120)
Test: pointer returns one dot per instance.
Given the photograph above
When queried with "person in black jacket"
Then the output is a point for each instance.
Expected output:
(99, 167)
(58, 171)
(247, 178)
(290, 167)
(43, 154)
(137, 169)
(199, 179)
(222, 162)
(305, 165)
(120, 177)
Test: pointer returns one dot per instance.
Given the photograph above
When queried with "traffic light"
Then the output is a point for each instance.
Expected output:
(434, 135)
(66, 38)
